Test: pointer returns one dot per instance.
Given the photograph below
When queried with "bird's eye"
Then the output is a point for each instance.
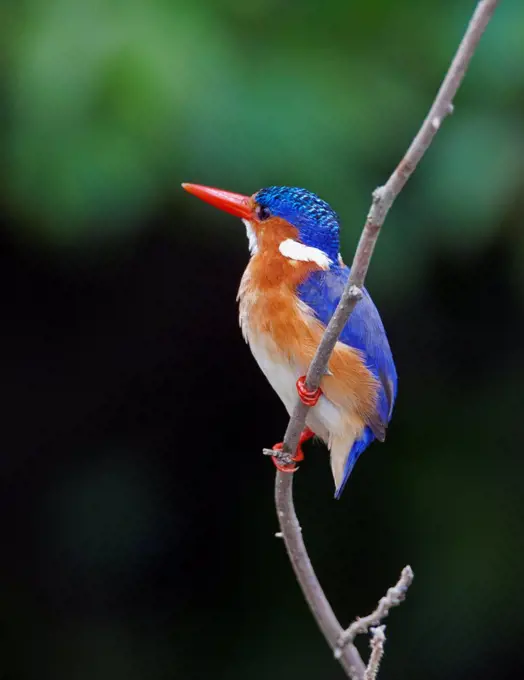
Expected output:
(262, 213)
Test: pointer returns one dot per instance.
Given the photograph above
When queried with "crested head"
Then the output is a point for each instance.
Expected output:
(282, 223)
(314, 219)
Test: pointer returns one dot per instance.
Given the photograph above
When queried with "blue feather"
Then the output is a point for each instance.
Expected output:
(316, 221)
(364, 331)
(359, 446)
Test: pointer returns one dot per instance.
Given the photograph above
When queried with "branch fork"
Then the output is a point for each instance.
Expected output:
(395, 596)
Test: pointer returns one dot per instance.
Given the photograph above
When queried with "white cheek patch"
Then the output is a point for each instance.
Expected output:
(251, 237)
(294, 250)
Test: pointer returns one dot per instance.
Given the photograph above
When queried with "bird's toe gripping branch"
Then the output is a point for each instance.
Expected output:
(299, 455)
(283, 467)
(307, 397)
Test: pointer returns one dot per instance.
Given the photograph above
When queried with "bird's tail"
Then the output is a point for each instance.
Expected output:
(341, 473)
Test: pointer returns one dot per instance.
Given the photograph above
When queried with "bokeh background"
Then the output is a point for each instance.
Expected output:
(136, 509)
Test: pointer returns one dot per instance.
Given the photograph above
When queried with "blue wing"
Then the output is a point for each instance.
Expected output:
(363, 331)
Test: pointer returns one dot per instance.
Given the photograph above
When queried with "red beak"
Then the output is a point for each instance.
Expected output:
(236, 204)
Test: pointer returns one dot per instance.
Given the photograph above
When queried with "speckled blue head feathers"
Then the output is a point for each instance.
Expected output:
(316, 221)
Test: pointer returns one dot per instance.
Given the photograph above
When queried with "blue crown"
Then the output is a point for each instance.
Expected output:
(316, 221)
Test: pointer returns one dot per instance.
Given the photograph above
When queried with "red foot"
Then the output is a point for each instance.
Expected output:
(283, 467)
(307, 397)
(304, 436)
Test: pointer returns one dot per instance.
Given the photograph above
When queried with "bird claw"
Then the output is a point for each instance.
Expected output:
(299, 455)
(285, 467)
(307, 397)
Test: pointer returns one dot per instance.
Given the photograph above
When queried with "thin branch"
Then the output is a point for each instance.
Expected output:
(320, 607)
(383, 199)
(378, 638)
(393, 598)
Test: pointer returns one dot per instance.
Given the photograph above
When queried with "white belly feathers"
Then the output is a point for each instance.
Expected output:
(325, 419)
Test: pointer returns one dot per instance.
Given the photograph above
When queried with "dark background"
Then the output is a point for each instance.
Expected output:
(137, 522)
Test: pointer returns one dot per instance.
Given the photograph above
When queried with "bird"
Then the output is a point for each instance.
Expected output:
(287, 295)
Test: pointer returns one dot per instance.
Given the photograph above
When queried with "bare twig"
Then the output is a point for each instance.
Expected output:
(378, 638)
(393, 598)
(383, 199)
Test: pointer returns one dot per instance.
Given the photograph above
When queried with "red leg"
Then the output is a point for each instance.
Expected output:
(304, 436)
(307, 397)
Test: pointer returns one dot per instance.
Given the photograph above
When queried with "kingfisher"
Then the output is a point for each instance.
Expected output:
(288, 293)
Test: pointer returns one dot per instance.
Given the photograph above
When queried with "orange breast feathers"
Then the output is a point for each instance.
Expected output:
(269, 306)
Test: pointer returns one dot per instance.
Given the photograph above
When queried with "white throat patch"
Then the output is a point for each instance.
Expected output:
(251, 237)
(294, 250)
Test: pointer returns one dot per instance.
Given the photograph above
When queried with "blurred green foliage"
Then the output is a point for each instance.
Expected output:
(109, 105)
(106, 106)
